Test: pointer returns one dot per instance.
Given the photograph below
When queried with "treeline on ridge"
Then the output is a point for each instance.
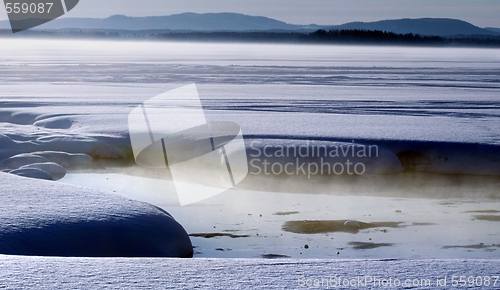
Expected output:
(354, 36)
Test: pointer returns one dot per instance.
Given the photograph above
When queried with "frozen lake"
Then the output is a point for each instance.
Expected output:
(443, 103)
(335, 92)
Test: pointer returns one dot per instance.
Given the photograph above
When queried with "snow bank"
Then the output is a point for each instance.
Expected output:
(55, 170)
(6, 141)
(20, 118)
(55, 123)
(59, 134)
(259, 274)
(20, 160)
(6, 153)
(65, 159)
(43, 164)
(32, 173)
(43, 218)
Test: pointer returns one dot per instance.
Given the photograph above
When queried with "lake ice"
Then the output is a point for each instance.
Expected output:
(75, 96)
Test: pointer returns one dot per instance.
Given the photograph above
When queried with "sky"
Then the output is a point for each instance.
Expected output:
(483, 13)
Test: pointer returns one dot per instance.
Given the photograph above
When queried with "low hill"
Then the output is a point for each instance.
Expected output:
(184, 21)
(239, 22)
(422, 26)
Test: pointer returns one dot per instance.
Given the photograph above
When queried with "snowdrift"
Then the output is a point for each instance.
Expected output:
(42, 218)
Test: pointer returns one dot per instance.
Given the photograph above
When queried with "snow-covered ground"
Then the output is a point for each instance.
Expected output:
(120, 273)
(42, 218)
(434, 111)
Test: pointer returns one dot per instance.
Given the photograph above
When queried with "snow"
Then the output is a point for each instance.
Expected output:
(44, 164)
(22, 160)
(438, 102)
(45, 218)
(67, 102)
(65, 159)
(55, 170)
(122, 273)
(32, 173)
(54, 123)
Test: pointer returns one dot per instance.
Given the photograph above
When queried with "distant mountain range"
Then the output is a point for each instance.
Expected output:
(241, 22)
(179, 22)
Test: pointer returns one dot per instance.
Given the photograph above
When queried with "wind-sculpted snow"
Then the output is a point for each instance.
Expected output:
(436, 110)
(32, 173)
(54, 123)
(42, 218)
(42, 164)
(55, 170)
(391, 109)
(65, 159)
(22, 160)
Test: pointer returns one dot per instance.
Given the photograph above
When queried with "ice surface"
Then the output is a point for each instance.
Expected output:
(418, 219)
(428, 109)
(437, 102)
(44, 218)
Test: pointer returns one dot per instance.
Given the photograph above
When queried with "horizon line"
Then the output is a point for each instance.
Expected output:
(289, 23)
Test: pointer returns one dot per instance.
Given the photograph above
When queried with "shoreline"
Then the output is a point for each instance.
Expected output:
(355, 37)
